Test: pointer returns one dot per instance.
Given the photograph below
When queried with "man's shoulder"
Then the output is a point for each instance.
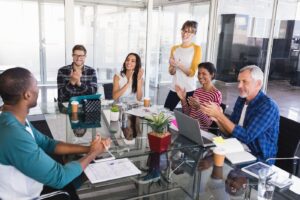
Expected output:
(264, 101)
(66, 67)
(86, 67)
(89, 70)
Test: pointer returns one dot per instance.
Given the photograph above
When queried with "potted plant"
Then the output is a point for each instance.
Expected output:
(114, 113)
(159, 138)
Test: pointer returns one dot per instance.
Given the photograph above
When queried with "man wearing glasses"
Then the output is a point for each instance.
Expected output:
(76, 79)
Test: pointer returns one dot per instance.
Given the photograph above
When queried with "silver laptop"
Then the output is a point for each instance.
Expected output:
(190, 128)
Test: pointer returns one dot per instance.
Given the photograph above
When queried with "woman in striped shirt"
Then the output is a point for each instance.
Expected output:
(207, 93)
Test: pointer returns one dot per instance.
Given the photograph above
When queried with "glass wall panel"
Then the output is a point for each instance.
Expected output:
(84, 29)
(110, 32)
(19, 35)
(53, 39)
(242, 39)
(284, 75)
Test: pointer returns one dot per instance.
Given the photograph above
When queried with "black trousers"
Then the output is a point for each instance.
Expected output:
(172, 99)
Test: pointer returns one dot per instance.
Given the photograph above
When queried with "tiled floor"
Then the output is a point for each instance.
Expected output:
(286, 96)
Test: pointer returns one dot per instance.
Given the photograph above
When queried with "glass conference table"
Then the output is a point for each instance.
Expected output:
(185, 171)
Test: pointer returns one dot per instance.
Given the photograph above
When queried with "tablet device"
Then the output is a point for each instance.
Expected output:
(254, 168)
(105, 156)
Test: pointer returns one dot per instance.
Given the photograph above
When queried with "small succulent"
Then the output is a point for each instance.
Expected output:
(158, 122)
(114, 108)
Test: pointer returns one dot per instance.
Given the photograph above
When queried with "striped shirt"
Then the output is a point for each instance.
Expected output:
(203, 96)
(66, 90)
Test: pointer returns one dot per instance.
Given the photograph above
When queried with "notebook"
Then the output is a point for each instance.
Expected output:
(190, 128)
(235, 151)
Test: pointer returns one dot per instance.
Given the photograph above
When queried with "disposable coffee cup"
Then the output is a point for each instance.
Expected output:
(219, 156)
(147, 102)
(74, 117)
(74, 106)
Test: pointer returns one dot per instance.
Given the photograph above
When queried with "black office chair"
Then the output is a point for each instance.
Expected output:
(296, 164)
(57, 195)
(108, 90)
(214, 127)
(224, 106)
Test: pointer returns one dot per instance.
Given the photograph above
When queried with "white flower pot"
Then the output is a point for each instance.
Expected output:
(114, 116)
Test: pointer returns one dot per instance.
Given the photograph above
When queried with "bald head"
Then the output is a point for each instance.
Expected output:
(13, 83)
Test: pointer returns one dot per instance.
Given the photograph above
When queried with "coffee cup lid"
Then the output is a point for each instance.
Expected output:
(74, 102)
(219, 150)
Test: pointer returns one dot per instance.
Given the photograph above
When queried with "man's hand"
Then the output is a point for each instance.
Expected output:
(75, 77)
(97, 146)
(211, 109)
(181, 93)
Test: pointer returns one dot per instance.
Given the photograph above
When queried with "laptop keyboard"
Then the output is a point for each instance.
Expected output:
(206, 135)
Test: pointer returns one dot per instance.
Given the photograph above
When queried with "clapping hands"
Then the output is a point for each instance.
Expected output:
(75, 77)
(99, 145)
(181, 93)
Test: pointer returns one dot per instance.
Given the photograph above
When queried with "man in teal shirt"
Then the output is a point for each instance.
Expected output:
(24, 150)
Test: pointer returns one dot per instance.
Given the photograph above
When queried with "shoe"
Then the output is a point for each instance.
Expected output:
(153, 176)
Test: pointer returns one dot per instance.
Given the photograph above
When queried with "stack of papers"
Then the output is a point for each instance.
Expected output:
(110, 170)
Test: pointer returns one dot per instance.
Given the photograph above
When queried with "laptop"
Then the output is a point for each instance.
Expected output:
(190, 128)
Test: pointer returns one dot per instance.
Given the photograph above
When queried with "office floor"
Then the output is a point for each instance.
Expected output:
(286, 96)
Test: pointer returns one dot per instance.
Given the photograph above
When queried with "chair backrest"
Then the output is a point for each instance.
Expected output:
(297, 153)
(224, 106)
(57, 195)
(108, 90)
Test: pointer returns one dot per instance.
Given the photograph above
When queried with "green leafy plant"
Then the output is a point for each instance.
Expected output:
(158, 122)
(114, 108)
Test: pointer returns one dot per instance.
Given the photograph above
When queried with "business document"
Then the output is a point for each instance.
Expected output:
(110, 170)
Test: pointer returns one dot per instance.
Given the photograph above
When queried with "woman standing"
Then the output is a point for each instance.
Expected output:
(184, 60)
(207, 93)
(128, 83)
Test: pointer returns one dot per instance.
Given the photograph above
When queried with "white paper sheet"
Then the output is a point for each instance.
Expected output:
(110, 170)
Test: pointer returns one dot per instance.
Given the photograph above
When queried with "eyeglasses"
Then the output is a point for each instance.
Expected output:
(187, 32)
(78, 56)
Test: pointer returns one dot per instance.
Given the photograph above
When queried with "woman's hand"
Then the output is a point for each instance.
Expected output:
(140, 74)
(194, 102)
(181, 93)
(129, 82)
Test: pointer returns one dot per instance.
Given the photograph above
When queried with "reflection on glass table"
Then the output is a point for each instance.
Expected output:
(158, 179)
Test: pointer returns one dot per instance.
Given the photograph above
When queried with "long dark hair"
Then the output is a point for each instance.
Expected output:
(138, 66)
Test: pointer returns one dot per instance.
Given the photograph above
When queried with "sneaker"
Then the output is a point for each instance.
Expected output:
(152, 176)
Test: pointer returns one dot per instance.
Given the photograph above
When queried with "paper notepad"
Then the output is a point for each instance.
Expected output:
(235, 151)
(110, 170)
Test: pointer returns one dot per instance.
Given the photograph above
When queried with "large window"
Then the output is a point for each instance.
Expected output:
(284, 75)
(242, 39)
(53, 39)
(110, 32)
(19, 35)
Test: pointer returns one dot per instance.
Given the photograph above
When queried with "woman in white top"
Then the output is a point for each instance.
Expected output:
(128, 83)
(184, 60)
